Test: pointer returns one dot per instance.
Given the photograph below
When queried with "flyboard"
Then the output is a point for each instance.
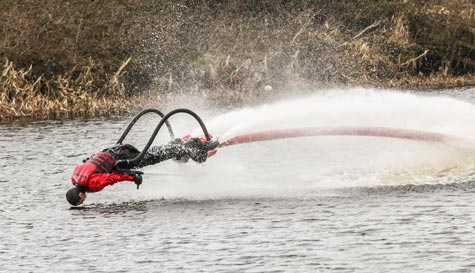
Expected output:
(268, 135)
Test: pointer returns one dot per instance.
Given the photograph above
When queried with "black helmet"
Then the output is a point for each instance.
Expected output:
(73, 196)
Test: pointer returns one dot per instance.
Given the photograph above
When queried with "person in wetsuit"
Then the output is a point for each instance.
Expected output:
(100, 169)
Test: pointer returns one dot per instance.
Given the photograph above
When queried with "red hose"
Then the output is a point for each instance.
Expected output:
(338, 131)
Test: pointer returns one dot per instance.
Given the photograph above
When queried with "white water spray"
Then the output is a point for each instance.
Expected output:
(307, 165)
(356, 108)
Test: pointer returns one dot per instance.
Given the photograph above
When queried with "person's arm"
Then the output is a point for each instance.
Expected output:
(97, 182)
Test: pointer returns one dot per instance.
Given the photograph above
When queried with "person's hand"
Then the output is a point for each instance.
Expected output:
(138, 180)
(136, 174)
(197, 149)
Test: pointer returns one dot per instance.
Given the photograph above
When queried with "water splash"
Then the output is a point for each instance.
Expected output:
(355, 107)
(307, 165)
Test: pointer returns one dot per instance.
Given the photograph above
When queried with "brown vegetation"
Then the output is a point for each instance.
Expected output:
(24, 96)
(63, 58)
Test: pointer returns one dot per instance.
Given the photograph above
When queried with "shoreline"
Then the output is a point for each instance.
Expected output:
(96, 107)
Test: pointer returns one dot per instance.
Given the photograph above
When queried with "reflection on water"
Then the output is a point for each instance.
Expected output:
(300, 227)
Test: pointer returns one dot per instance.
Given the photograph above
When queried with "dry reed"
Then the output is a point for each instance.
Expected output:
(26, 97)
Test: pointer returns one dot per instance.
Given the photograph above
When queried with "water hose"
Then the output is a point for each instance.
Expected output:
(400, 133)
(125, 164)
(138, 116)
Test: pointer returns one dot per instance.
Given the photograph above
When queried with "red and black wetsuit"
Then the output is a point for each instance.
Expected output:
(97, 172)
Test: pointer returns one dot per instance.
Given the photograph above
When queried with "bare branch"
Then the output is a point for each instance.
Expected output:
(373, 25)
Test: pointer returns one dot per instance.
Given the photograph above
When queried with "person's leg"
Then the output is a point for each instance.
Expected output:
(173, 150)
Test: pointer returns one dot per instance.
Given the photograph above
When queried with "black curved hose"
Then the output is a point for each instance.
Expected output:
(138, 116)
(127, 163)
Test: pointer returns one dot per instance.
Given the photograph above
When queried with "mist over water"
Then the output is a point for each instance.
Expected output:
(306, 166)
(354, 107)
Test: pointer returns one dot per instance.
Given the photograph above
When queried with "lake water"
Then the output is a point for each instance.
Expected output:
(313, 204)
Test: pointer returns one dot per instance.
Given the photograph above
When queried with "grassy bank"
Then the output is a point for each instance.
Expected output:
(89, 58)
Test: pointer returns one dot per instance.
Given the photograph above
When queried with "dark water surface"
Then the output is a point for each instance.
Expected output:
(162, 228)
